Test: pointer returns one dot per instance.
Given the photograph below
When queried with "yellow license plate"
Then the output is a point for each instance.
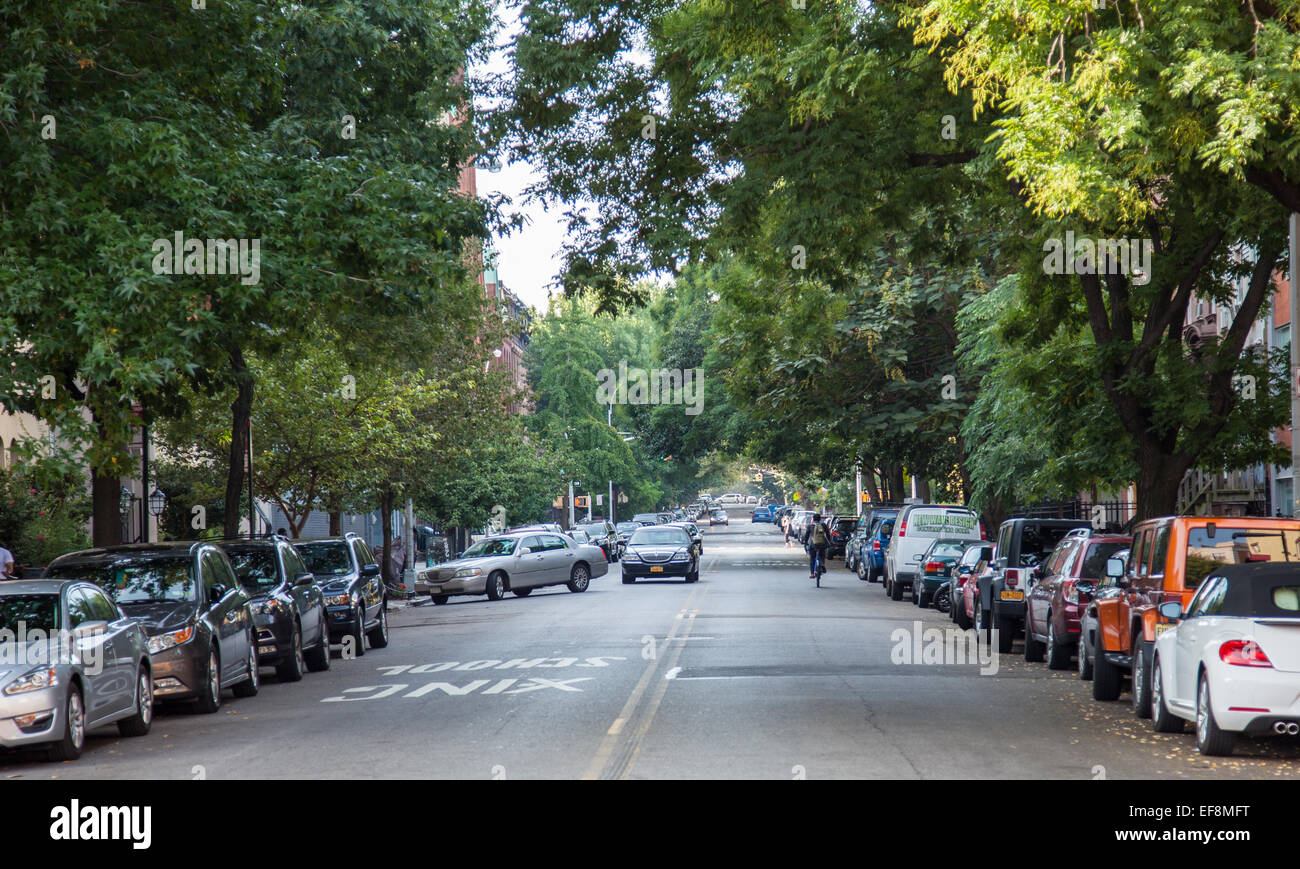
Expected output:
(1161, 628)
(656, 569)
(1013, 595)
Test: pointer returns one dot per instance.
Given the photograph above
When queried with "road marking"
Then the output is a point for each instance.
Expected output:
(648, 716)
(606, 748)
(672, 674)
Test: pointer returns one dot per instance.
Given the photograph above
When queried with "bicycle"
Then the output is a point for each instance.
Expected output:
(819, 567)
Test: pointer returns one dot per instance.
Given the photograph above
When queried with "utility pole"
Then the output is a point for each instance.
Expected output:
(857, 470)
(611, 502)
(571, 519)
(1295, 359)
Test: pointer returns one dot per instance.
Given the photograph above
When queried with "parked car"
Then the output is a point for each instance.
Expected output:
(91, 667)
(840, 531)
(718, 517)
(1022, 544)
(192, 607)
(355, 597)
(517, 563)
(293, 632)
(853, 548)
(1060, 590)
(872, 560)
(916, 526)
(1230, 663)
(603, 534)
(974, 561)
(1104, 588)
(1171, 555)
(936, 568)
(761, 514)
(648, 518)
(660, 552)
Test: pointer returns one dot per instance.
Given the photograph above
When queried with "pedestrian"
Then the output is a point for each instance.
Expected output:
(6, 564)
(785, 526)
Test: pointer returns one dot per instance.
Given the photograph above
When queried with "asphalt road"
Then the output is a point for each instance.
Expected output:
(750, 673)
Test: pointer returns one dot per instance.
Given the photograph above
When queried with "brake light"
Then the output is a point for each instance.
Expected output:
(1243, 653)
(934, 567)
(983, 536)
(1071, 591)
(1013, 577)
(875, 546)
(902, 529)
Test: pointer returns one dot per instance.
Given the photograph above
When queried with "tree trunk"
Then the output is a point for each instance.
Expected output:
(386, 500)
(336, 523)
(106, 510)
(1159, 476)
(241, 411)
(895, 482)
(923, 489)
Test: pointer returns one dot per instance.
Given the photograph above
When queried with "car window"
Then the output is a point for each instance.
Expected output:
(1210, 598)
(1004, 541)
(293, 563)
(79, 608)
(28, 612)
(554, 541)
(362, 552)
(534, 543)
(256, 566)
(221, 569)
(1094, 560)
(1235, 545)
(1142, 561)
(326, 558)
(100, 605)
(1160, 552)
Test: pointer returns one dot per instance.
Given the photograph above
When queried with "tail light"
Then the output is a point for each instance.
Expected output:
(934, 567)
(875, 546)
(983, 536)
(1071, 591)
(902, 529)
(1243, 653)
(1013, 577)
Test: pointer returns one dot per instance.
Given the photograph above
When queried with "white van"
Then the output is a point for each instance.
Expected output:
(917, 526)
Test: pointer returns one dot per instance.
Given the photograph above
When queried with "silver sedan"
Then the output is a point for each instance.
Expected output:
(519, 563)
(70, 662)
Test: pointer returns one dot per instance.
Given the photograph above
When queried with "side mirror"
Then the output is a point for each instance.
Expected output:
(370, 570)
(1114, 568)
(217, 592)
(1172, 610)
(918, 557)
(524, 550)
(304, 579)
(90, 629)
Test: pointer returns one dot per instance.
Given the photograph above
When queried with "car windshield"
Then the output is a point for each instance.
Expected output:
(255, 566)
(1236, 546)
(595, 530)
(493, 546)
(628, 527)
(22, 613)
(326, 558)
(660, 536)
(946, 549)
(135, 578)
(1094, 563)
(844, 526)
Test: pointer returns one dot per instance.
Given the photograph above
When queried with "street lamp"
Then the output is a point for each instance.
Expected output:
(157, 502)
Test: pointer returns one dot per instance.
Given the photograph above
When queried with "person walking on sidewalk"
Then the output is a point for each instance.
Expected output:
(785, 526)
(6, 564)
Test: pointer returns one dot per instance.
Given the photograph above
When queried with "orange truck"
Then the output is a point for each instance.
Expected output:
(1167, 561)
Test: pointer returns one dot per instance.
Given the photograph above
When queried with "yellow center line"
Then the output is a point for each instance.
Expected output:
(607, 744)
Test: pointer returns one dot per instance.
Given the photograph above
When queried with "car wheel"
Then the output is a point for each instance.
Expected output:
(1034, 649)
(378, 636)
(983, 624)
(1085, 656)
(579, 578)
(628, 579)
(496, 586)
(1058, 653)
(860, 571)
(1141, 691)
(1162, 720)
(522, 592)
(895, 590)
(290, 669)
(318, 659)
(1007, 628)
(440, 599)
(1105, 676)
(693, 576)
(1210, 740)
(357, 633)
(959, 613)
(74, 727)
(211, 700)
(249, 687)
(141, 720)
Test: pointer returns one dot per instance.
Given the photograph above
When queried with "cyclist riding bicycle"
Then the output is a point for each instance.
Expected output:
(817, 541)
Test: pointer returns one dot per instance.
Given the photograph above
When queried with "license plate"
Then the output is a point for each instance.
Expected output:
(1161, 628)
(435, 589)
(1013, 595)
(656, 569)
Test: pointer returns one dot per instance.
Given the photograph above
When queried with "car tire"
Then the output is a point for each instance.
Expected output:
(1210, 740)
(1085, 657)
(496, 585)
(1007, 628)
(693, 576)
(318, 659)
(378, 635)
(249, 687)
(895, 591)
(628, 580)
(210, 701)
(579, 579)
(357, 632)
(922, 599)
(439, 599)
(74, 727)
(1034, 649)
(1141, 689)
(521, 592)
(963, 621)
(1105, 676)
(1162, 720)
(984, 623)
(142, 719)
(1058, 653)
(291, 668)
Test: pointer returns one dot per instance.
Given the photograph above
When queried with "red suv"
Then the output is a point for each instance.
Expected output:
(1059, 592)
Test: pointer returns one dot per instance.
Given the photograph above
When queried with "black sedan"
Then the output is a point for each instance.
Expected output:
(293, 631)
(348, 575)
(658, 551)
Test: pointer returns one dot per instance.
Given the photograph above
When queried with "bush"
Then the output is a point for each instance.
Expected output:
(40, 524)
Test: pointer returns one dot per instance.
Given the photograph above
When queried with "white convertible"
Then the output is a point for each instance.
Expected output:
(1231, 663)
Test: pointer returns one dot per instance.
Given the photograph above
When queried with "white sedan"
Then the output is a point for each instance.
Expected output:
(1231, 662)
